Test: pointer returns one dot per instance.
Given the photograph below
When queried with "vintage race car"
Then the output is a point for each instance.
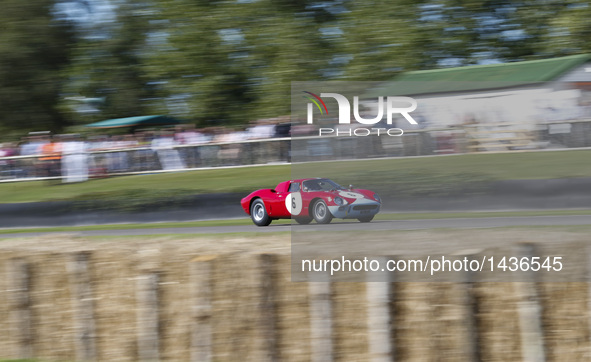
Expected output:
(313, 198)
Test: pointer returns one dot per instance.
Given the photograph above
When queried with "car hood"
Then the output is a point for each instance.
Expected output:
(355, 195)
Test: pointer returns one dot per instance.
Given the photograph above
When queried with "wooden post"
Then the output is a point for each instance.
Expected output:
(379, 316)
(530, 311)
(320, 319)
(201, 333)
(470, 304)
(268, 308)
(20, 272)
(83, 303)
(148, 317)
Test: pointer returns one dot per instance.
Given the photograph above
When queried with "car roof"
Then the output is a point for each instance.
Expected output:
(306, 179)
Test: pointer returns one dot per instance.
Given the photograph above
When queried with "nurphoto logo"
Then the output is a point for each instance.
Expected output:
(344, 115)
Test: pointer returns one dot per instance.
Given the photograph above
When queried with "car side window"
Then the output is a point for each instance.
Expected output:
(311, 185)
(294, 187)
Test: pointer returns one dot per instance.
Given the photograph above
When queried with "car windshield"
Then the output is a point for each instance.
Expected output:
(322, 184)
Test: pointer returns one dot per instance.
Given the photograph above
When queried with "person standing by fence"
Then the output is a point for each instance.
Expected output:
(74, 159)
(50, 159)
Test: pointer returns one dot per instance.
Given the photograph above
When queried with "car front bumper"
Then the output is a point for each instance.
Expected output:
(355, 210)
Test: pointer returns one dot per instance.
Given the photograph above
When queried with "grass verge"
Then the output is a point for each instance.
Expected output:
(400, 176)
(247, 221)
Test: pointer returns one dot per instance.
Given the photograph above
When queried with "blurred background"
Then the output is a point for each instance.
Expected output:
(220, 74)
(70, 63)
(224, 69)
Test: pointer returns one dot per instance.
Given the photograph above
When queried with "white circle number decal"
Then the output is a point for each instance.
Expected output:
(293, 203)
(351, 195)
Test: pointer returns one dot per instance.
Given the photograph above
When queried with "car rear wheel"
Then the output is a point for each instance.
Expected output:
(366, 218)
(303, 220)
(321, 213)
(259, 214)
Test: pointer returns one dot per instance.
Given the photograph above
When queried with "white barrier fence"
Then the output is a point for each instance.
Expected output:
(484, 138)
(147, 160)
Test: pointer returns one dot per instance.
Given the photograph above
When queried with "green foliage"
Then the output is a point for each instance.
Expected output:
(35, 48)
(108, 64)
(228, 62)
(383, 38)
(568, 28)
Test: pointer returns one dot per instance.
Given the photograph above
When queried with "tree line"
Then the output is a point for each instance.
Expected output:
(67, 63)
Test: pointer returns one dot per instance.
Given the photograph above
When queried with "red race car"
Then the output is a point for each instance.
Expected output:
(312, 198)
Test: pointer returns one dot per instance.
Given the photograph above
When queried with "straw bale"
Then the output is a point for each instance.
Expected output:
(349, 321)
(8, 348)
(565, 321)
(429, 319)
(498, 321)
(293, 315)
(429, 322)
(175, 306)
(114, 279)
(51, 303)
(235, 308)
(413, 322)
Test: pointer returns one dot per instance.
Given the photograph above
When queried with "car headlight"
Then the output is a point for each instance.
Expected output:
(339, 201)
(377, 198)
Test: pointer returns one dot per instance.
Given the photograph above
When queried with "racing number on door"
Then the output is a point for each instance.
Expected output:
(293, 203)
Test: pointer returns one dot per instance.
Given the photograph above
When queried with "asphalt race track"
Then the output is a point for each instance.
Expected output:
(338, 225)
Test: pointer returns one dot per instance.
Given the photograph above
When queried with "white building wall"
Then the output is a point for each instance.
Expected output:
(524, 106)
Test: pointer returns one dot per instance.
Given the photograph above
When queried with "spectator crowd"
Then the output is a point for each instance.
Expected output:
(74, 158)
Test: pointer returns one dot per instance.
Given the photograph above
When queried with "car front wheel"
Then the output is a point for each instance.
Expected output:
(321, 213)
(259, 214)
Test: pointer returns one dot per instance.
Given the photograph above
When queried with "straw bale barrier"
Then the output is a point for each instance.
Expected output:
(224, 299)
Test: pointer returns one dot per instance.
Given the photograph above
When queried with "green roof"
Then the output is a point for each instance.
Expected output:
(135, 121)
(475, 77)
